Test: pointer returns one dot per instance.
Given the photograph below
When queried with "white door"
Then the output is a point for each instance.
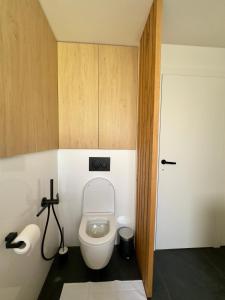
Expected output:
(191, 194)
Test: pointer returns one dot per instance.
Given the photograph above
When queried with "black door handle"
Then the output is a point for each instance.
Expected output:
(164, 162)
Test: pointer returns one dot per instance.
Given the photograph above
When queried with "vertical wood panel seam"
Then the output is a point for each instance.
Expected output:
(98, 96)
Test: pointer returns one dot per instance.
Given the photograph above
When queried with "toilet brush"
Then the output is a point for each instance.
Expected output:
(63, 251)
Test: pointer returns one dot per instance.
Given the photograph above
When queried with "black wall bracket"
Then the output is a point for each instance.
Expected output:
(47, 202)
(9, 241)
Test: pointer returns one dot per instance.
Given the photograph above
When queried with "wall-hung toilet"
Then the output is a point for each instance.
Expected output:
(97, 230)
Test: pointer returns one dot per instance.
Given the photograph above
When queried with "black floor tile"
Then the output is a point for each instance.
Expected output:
(75, 270)
(190, 274)
(184, 274)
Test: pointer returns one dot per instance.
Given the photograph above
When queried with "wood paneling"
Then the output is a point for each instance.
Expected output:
(2, 116)
(78, 95)
(97, 96)
(117, 97)
(148, 118)
(28, 76)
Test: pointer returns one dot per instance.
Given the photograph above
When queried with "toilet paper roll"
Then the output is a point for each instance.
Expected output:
(30, 236)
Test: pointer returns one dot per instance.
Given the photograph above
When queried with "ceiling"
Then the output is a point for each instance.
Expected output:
(121, 22)
(194, 22)
(97, 21)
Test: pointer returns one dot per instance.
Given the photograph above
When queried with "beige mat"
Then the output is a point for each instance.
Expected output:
(111, 290)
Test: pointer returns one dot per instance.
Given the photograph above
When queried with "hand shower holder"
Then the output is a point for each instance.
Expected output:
(47, 202)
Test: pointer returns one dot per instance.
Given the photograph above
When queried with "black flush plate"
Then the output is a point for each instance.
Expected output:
(99, 163)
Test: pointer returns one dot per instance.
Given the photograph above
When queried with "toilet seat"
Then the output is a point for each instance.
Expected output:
(98, 197)
(87, 239)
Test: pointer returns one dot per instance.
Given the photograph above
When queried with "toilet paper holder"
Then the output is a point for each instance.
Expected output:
(9, 241)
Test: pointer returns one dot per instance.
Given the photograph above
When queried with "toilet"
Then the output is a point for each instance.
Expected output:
(97, 230)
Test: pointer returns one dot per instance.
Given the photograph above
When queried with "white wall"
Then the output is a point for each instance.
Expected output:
(24, 180)
(73, 175)
(189, 60)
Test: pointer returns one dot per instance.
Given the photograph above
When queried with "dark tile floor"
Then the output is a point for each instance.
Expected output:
(75, 270)
(189, 274)
(186, 274)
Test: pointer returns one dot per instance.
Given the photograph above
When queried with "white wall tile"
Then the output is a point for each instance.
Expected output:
(74, 174)
(24, 180)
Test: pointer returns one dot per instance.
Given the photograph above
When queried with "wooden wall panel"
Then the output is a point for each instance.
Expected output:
(148, 118)
(78, 95)
(118, 75)
(28, 76)
(2, 122)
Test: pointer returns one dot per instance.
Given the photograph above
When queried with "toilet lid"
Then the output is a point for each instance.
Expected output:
(99, 196)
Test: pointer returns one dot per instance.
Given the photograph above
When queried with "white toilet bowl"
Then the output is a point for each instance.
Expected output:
(97, 230)
(97, 237)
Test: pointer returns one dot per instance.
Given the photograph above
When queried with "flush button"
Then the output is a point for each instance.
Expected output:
(99, 163)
